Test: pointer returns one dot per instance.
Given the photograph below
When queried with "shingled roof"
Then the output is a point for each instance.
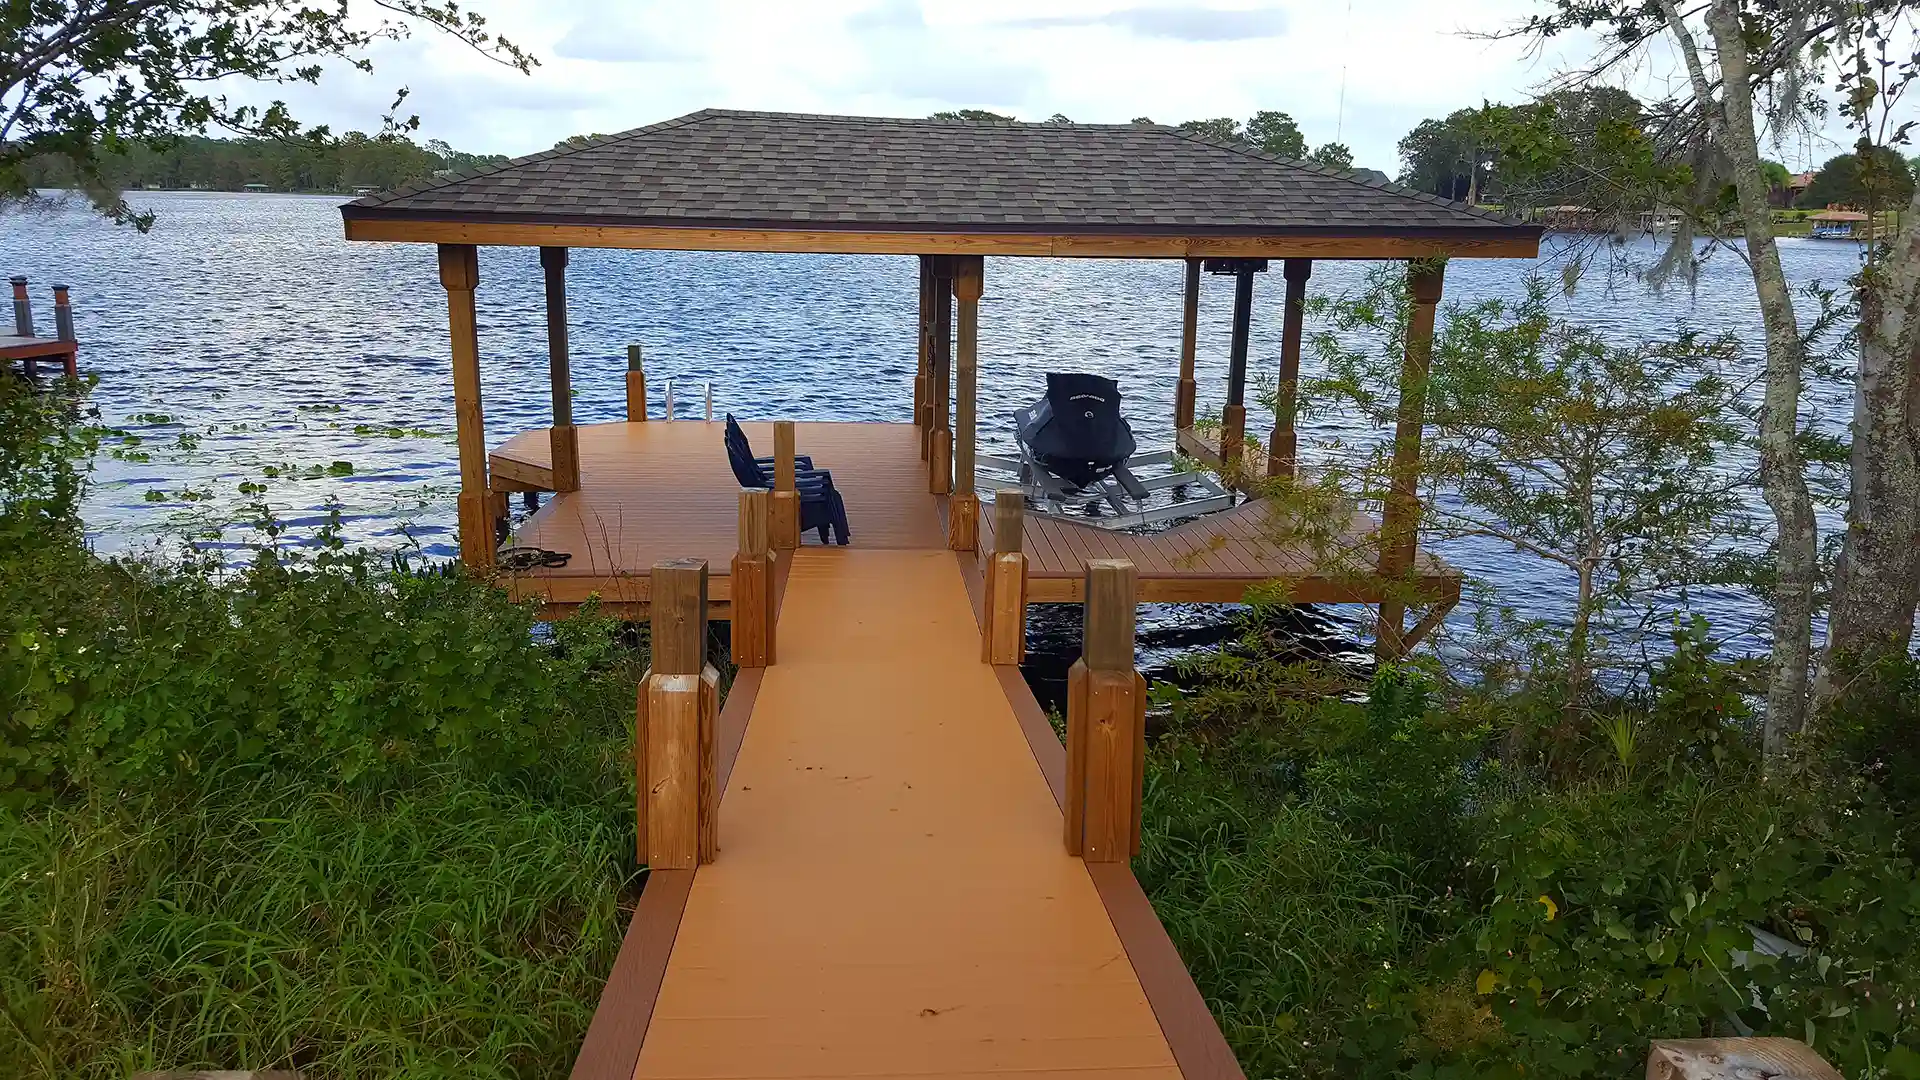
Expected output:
(721, 169)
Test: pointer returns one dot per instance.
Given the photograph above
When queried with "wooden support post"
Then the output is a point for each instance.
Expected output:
(1186, 390)
(786, 498)
(1283, 445)
(22, 307)
(679, 699)
(1736, 1059)
(564, 439)
(940, 434)
(923, 371)
(1400, 517)
(1233, 419)
(963, 512)
(636, 386)
(63, 329)
(753, 581)
(460, 275)
(1106, 721)
(1003, 636)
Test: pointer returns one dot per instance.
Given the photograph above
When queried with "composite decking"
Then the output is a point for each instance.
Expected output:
(658, 490)
(892, 897)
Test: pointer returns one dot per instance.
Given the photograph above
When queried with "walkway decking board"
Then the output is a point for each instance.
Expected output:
(892, 897)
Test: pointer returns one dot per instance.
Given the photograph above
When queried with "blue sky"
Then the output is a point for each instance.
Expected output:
(1364, 71)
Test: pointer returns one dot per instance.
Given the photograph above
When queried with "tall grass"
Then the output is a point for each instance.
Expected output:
(445, 929)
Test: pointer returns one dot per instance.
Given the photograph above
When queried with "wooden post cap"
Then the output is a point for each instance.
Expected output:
(679, 616)
(633, 358)
(1112, 589)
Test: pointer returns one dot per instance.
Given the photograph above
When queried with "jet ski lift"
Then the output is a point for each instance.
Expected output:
(1077, 458)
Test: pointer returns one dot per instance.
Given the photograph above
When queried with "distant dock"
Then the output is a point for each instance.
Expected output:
(32, 350)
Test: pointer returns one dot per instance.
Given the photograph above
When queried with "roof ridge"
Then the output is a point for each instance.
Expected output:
(380, 198)
(1343, 174)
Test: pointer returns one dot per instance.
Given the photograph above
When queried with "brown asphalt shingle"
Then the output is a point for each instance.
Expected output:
(759, 169)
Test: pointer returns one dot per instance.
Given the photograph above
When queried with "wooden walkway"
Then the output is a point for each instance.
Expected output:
(892, 897)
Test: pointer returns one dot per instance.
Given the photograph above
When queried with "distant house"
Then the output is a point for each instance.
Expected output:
(255, 187)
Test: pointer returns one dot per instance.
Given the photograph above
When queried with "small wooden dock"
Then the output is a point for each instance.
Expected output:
(32, 350)
(656, 490)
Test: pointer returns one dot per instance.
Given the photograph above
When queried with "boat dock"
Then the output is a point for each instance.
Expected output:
(31, 350)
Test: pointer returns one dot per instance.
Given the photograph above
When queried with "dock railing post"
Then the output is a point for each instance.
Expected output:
(923, 378)
(1003, 639)
(636, 386)
(786, 498)
(22, 307)
(63, 328)
(963, 512)
(679, 700)
(753, 582)
(1106, 721)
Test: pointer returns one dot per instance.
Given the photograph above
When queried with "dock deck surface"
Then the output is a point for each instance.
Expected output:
(892, 896)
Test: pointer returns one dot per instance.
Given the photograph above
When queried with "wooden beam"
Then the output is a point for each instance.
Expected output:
(751, 623)
(1186, 391)
(460, 275)
(1283, 444)
(963, 513)
(674, 731)
(1400, 516)
(1506, 243)
(786, 497)
(1106, 721)
(1736, 1059)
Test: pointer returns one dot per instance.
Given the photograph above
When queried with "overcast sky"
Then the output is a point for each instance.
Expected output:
(610, 65)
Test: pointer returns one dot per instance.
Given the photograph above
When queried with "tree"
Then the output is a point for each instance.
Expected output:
(1333, 156)
(1220, 129)
(1059, 118)
(1603, 460)
(1441, 156)
(1871, 177)
(973, 114)
(1711, 136)
(1277, 134)
(82, 79)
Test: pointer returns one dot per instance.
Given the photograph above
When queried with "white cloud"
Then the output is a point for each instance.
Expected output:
(610, 65)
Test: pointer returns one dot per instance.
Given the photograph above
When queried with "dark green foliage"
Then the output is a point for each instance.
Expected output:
(973, 114)
(308, 164)
(1869, 178)
(1367, 879)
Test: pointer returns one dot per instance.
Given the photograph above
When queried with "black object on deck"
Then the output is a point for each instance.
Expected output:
(1076, 431)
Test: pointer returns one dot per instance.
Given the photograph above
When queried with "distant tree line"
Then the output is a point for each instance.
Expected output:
(353, 160)
(1268, 131)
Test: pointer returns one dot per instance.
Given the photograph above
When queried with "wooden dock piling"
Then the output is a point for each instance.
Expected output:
(679, 699)
(786, 497)
(940, 434)
(1003, 636)
(923, 371)
(752, 620)
(963, 514)
(459, 275)
(1186, 390)
(1400, 514)
(1283, 444)
(1106, 721)
(22, 307)
(636, 386)
(565, 440)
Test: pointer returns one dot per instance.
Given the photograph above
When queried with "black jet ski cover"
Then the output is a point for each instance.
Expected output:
(1076, 431)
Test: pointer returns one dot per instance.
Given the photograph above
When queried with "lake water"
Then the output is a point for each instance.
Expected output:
(243, 340)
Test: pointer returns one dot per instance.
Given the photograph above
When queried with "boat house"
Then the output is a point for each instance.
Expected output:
(877, 858)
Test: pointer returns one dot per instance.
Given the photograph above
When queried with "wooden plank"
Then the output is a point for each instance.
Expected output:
(1736, 1059)
(620, 1020)
(673, 769)
(1520, 242)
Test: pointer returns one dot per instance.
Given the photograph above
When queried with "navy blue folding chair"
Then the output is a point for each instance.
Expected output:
(821, 506)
